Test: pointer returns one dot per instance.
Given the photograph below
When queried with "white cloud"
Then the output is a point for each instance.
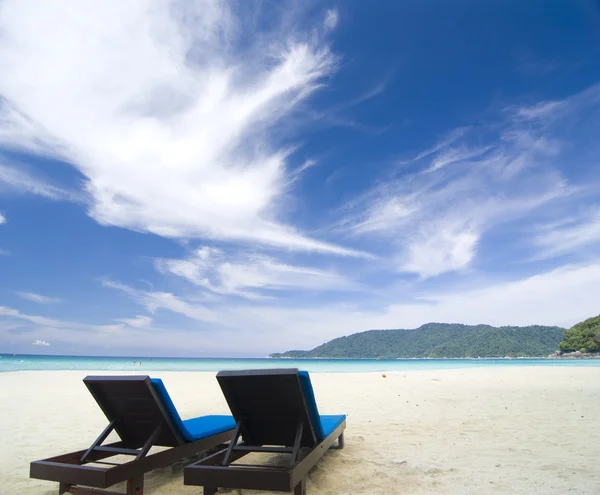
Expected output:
(16, 130)
(547, 113)
(246, 275)
(571, 234)
(38, 298)
(155, 301)
(435, 213)
(140, 321)
(433, 222)
(449, 156)
(540, 110)
(331, 19)
(37, 320)
(561, 297)
(42, 343)
(444, 248)
(2, 219)
(306, 165)
(120, 339)
(169, 120)
(133, 332)
(384, 214)
(23, 182)
(443, 144)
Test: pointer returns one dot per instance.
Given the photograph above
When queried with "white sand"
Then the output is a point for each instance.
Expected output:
(476, 431)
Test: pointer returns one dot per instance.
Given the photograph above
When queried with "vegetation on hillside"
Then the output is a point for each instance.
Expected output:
(584, 337)
(440, 340)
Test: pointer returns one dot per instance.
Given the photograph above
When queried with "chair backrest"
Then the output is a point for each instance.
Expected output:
(136, 407)
(270, 404)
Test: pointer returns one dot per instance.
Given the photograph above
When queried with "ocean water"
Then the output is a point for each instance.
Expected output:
(21, 362)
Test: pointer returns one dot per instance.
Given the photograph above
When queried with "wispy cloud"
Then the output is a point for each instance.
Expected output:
(251, 275)
(434, 223)
(331, 19)
(23, 182)
(306, 165)
(449, 156)
(16, 131)
(70, 329)
(2, 219)
(173, 136)
(385, 213)
(475, 179)
(37, 320)
(562, 112)
(570, 234)
(443, 144)
(41, 343)
(130, 336)
(166, 301)
(541, 110)
(518, 302)
(140, 321)
(38, 298)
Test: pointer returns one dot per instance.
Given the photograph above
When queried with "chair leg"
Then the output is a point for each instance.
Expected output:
(135, 486)
(341, 441)
(63, 488)
(300, 488)
(209, 490)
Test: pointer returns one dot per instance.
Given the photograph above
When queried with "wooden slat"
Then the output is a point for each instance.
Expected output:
(232, 476)
(164, 458)
(81, 490)
(98, 441)
(69, 473)
(271, 450)
(117, 450)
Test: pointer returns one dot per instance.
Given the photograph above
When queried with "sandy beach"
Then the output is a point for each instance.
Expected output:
(517, 430)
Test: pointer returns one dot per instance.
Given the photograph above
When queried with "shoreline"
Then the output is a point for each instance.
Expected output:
(137, 358)
(148, 365)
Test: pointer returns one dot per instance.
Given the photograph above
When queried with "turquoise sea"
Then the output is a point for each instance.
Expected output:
(21, 362)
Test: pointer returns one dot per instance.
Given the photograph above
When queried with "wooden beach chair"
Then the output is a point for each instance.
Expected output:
(141, 412)
(275, 412)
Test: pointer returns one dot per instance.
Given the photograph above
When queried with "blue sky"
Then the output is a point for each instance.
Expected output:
(217, 178)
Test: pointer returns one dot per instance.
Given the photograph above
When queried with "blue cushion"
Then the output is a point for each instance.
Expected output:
(311, 403)
(196, 428)
(331, 422)
(323, 425)
(205, 426)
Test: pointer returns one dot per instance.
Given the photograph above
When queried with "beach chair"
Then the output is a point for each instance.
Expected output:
(275, 412)
(141, 412)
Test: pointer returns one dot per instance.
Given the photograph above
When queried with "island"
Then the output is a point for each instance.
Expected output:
(440, 340)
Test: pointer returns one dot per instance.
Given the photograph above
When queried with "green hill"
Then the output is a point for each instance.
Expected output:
(440, 340)
(583, 337)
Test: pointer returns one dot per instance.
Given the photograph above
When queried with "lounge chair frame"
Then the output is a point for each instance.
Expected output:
(222, 470)
(74, 471)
